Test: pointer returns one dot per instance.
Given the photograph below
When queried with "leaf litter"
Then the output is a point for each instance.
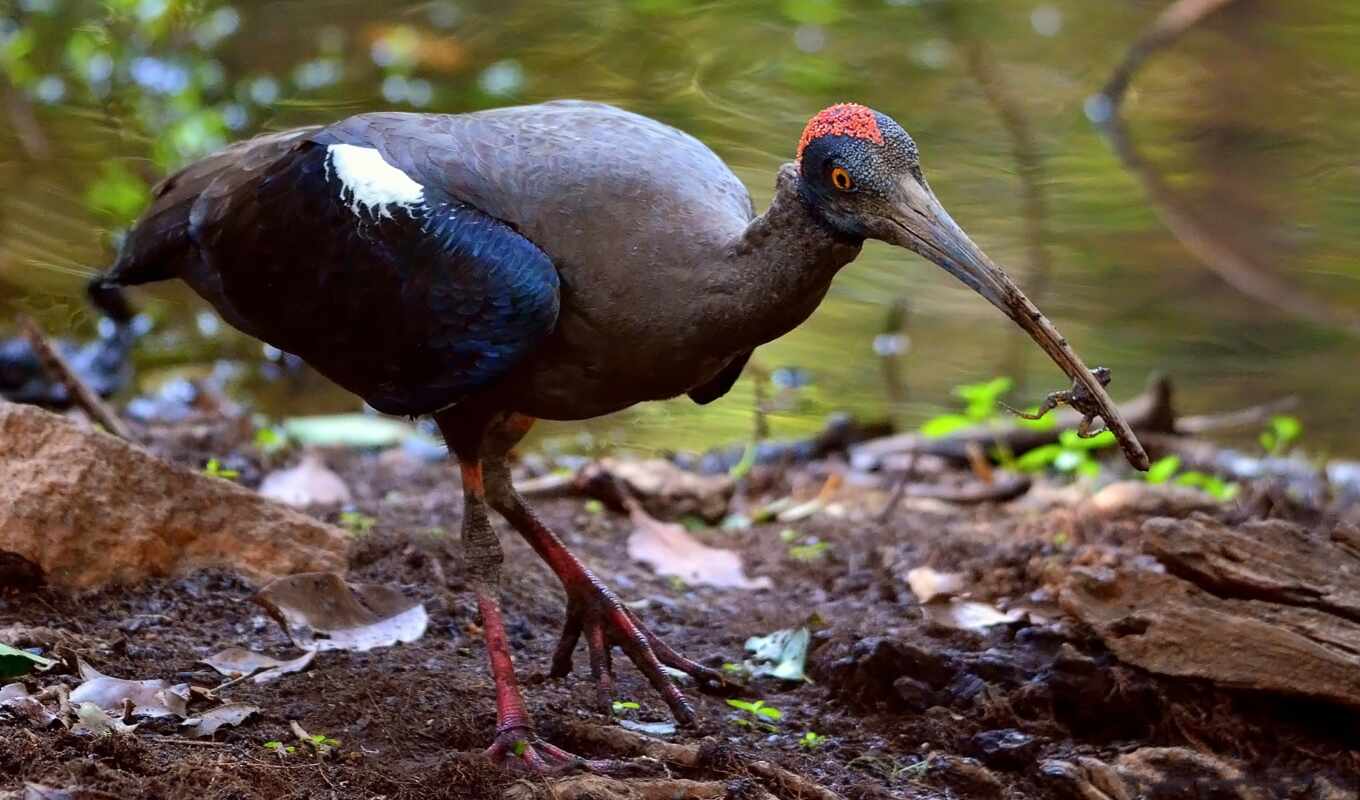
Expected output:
(321, 611)
(238, 662)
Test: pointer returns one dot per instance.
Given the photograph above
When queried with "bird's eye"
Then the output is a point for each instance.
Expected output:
(841, 179)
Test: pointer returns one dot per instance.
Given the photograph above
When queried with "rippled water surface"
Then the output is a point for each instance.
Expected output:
(1246, 134)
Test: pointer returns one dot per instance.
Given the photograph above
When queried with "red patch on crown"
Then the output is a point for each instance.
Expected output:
(842, 119)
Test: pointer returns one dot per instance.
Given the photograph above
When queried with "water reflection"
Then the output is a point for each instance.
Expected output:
(1252, 120)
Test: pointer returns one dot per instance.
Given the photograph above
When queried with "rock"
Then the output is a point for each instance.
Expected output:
(1005, 749)
(89, 509)
(1143, 499)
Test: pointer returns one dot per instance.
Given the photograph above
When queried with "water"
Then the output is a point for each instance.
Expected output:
(1251, 121)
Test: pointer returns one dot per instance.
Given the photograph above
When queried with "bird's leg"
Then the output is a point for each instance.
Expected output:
(515, 746)
(592, 607)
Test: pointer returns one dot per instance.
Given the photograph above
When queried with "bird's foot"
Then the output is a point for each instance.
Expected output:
(519, 749)
(593, 610)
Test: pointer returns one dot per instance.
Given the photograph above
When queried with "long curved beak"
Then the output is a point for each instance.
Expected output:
(921, 225)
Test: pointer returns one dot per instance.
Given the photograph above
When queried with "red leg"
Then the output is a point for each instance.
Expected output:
(592, 607)
(516, 746)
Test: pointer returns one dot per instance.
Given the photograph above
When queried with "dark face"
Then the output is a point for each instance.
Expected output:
(861, 173)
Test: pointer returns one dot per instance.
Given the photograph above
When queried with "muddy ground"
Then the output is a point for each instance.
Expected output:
(909, 707)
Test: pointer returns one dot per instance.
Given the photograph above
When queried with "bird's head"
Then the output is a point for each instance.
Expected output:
(861, 173)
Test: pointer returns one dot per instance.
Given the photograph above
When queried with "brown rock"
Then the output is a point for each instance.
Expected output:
(90, 509)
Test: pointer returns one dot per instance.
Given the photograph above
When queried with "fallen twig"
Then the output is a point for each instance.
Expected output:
(599, 787)
(787, 783)
(60, 371)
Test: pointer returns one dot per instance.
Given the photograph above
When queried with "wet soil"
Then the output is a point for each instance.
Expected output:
(908, 707)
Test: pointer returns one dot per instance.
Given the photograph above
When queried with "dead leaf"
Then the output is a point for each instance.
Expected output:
(15, 699)
(310, 483)
(782, 654)
(92, 719)
(663, 489)
(967, 615)
(235, 662)
(320, 611)
(207, 723)
(672, 551)
(149, 698)
(927, 584)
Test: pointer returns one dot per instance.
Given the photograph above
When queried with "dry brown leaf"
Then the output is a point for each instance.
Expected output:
(15, 699)
(310, 483)
(927, 584)
(320, 611)
(967, 615)
(207, 723)
(149, 698)
(235, 662)
(672, 551)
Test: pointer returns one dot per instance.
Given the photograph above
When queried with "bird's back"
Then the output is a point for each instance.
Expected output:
(418, 258)
(579, 179)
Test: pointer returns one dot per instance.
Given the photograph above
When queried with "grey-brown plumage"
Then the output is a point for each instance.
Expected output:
(563, 260)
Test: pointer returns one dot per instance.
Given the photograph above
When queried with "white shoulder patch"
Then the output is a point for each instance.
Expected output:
(367, 180)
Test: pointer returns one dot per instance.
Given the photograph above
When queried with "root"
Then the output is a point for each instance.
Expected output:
(782, 781)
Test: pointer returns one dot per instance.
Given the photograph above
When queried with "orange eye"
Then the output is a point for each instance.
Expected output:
(841, 179)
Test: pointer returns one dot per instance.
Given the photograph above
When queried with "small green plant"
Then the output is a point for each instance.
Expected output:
(1071, 454)
(357, 523)
(322, 743)
(788, 535)
(1212, 485)
(761, 715)
(1162, 470)
(677, 583)
(980, 405)
(620, 706)
(215, 469)
(1280, 434)
(811, 740)
(813, 551)
(270, 439)
(734, 668)
(519, 748)
(280, 748)
(594, 506)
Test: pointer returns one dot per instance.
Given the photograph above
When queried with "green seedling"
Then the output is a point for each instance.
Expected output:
(594, 506)
(322, 743)
(621, 706)
(357, 523)
(809, 552)
(270, 439)
(15, 662)
(1212, 485)
(733, 668)
(981, 401)
(1280, 434)
(743, 466)
(761, 714)
(788, 535)
(280, 748)
(1162, 470)
(215, 469)
(1072, 454)
(811, 740)
(519, 748)
(677, 583)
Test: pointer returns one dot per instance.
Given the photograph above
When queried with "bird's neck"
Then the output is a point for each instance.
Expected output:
(780, 267)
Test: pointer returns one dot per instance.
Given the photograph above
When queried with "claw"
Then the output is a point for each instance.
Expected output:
(596, 612)
(518, 749)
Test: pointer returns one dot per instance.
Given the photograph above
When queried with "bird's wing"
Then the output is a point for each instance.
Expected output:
(579, 179)
(722, 383)
(398, 291)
